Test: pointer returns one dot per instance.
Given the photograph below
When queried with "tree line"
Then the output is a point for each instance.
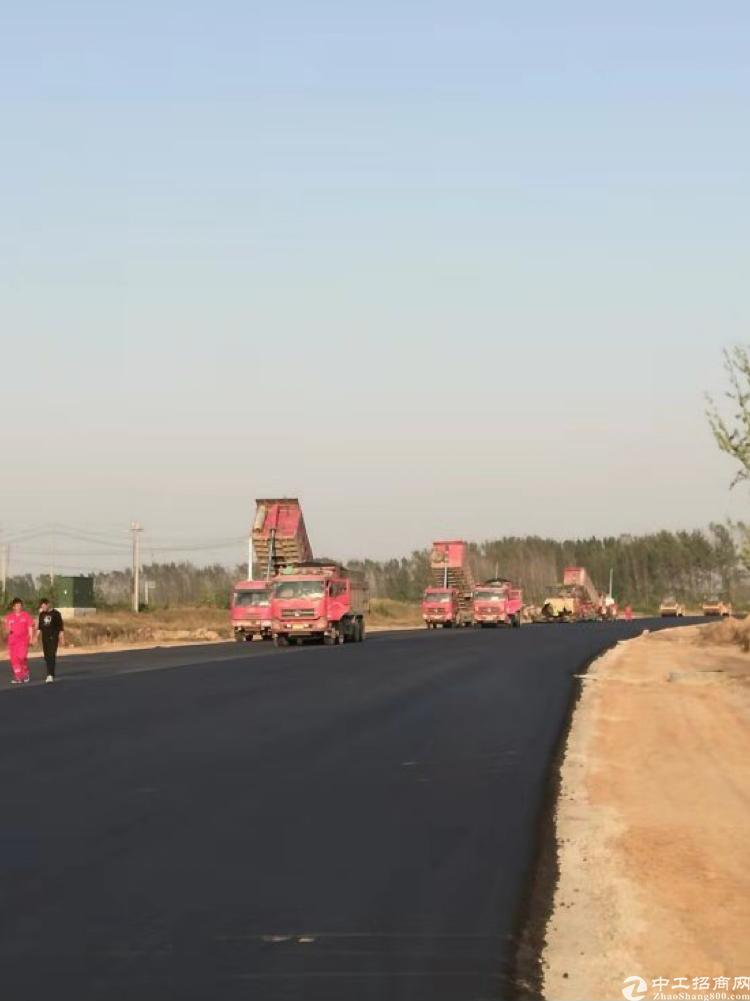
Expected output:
(688, 564)
(170, 585)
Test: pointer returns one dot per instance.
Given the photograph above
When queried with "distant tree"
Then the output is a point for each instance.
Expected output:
(732, 434)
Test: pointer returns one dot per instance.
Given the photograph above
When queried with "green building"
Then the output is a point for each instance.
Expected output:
(75, 595)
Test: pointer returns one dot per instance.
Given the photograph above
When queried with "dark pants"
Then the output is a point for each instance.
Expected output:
(50, 642)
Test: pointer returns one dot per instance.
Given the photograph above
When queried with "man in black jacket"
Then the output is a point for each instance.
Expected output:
(52, 630)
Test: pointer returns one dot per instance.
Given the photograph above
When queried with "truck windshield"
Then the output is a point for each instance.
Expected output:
(299, 589)
(437, 596)
(488, 596)
(244, 599)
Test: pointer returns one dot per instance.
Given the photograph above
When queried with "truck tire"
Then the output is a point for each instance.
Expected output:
(360, 630)
(279, 640)
(517, 620)
(239, 637)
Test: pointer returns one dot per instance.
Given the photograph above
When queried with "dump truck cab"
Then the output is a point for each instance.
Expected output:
(318, 600)
(250, 610)
(440, 607)
(497, 603)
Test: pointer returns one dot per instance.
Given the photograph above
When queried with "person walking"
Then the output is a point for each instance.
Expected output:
(52, 630)
(19, 628)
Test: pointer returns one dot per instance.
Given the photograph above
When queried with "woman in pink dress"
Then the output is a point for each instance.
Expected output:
(19, 628)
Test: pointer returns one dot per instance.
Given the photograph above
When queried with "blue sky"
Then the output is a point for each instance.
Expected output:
(431, 266)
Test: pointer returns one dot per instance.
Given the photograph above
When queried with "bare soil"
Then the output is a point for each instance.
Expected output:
(653, 820)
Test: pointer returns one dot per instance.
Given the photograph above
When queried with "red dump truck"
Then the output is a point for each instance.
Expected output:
(278, 537)
(251, 610)
(441, 607)
(318, 600)
(451, 585)
(497, 603)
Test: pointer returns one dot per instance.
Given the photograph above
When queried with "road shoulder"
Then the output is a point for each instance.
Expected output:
(652, 820)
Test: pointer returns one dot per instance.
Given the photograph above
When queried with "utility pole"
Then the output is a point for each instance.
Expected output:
(611, 580)
(136, 530)
(250, 556)
(52, 560)
(4, 561)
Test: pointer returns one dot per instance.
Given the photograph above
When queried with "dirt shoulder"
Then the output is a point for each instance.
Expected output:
(653, 822)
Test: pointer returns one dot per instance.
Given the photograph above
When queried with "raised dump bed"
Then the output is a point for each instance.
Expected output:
(279, 535)
(578, 577)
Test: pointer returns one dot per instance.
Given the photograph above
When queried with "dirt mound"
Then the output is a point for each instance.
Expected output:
(728, 631)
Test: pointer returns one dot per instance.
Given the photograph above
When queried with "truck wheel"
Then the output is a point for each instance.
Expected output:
(239, 637)
(361, 636)
(279, 640)
(517, 620)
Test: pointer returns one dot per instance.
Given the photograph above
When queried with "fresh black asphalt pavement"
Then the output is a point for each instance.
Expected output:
(314, 824)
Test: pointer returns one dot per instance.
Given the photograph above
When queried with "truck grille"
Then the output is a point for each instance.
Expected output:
(298, 613)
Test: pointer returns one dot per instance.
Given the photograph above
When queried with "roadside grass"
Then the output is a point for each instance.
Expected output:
(387, 612)
(169, 625)
(193, 625)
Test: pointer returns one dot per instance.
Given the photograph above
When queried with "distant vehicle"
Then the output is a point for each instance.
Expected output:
(251, 610)
(497, 603)
(560, 607)
(575, 600)
(671, 607)
(441, 607)
(450, 570)
(716, 606)
(318, 600)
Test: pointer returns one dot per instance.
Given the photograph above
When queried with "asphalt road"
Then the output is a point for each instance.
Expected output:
(238, 822)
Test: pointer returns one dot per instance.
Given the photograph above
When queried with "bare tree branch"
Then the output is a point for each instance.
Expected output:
(732, 434)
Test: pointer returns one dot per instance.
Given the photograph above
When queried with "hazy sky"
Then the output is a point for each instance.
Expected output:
(458, 269)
